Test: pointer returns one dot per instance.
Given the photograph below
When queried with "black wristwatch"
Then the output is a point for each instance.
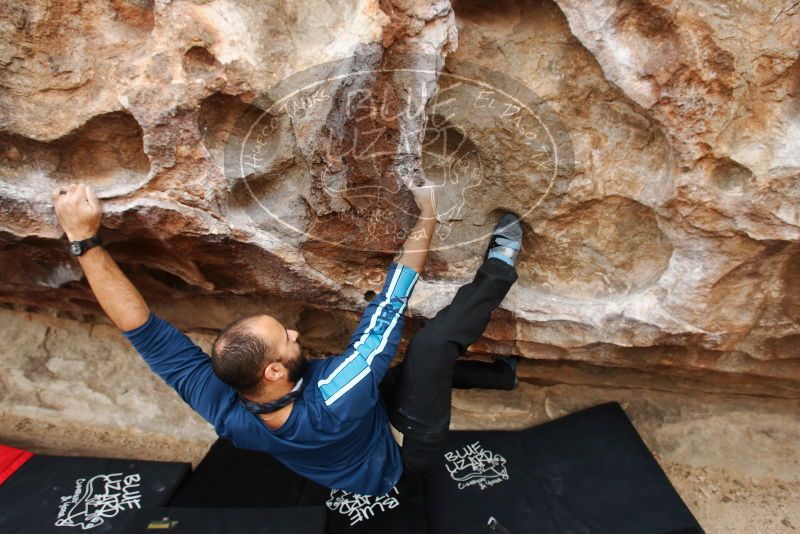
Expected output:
(79, 247)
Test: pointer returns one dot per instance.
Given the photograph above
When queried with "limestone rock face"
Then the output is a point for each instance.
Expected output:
(250, 156)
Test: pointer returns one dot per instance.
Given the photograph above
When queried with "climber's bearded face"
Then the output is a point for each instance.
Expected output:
(283, 345)
(256, 351)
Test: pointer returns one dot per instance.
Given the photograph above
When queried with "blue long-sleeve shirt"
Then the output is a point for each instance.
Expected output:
(338, 431)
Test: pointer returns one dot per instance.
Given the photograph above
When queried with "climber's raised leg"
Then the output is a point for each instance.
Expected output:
(420, 404)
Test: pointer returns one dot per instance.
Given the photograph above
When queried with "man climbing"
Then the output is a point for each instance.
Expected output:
(326, 419)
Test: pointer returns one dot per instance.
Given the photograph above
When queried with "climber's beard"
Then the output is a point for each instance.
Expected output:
(296, 366)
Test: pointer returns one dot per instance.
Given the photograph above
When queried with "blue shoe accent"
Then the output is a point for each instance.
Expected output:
(502, 257)
(508, 243)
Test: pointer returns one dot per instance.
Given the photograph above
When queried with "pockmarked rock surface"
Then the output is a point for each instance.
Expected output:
(251, 157)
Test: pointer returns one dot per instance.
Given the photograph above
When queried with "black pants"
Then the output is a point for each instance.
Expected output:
(417, 392)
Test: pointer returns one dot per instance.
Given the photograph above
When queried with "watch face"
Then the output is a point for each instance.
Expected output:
(75, 248)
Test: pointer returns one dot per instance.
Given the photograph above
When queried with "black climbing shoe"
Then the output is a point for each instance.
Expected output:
(512, 362)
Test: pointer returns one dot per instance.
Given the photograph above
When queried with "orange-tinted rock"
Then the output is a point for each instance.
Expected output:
(652, 147)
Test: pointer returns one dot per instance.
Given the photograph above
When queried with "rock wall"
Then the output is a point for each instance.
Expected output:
(249, 157)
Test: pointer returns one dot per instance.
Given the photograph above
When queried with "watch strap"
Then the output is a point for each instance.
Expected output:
(87, 244)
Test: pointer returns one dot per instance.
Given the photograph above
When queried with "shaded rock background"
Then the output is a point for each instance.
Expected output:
(666, 259)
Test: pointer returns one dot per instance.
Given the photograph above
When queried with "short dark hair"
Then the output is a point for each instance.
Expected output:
(239, 356)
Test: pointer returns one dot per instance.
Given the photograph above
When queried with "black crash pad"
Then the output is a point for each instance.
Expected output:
(401, 511)
(297, 520)
(585, 473)
(60, 494)
(235, 478)
(228, 477)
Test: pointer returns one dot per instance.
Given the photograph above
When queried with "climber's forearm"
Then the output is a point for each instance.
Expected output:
(414, 250)
(118, 297)
(79, 213)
